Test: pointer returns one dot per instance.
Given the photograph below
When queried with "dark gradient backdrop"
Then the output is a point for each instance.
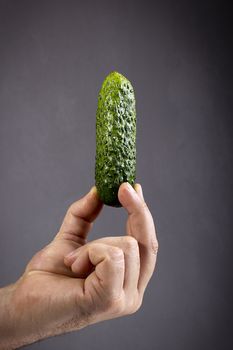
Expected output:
(54, 56)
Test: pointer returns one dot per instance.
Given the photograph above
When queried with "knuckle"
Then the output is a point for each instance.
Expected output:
(135, 305)
(154, 246)
(130, 243)
(71, 208)
(115, 254)
(74, 208)
(116, 306)
(120, 306)
(113, 304)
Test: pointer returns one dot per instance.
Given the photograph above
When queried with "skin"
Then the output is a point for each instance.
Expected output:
(72, 283)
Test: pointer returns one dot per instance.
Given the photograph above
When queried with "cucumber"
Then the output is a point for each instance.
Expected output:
(115, 137)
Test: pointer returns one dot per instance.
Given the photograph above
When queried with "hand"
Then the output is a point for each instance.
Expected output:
(71, 283)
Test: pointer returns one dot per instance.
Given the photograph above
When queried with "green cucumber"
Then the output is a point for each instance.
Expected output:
(115, 137)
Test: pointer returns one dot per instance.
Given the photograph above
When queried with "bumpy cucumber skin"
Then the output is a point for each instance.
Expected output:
(115, 138)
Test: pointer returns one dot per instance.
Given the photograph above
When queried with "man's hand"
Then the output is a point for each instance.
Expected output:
(72, 283)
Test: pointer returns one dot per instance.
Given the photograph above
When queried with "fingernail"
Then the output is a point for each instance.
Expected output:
(138, 189)
(130, 188)
(93, 190)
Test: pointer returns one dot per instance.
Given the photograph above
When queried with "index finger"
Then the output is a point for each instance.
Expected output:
(140, 225)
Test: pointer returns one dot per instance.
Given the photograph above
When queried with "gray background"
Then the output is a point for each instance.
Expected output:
(54, 56)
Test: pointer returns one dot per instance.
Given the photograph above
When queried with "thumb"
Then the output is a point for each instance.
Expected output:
(79, 217)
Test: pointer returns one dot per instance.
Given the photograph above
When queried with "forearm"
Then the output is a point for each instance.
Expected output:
(17, 327)
(8, 321)
(29, 314)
